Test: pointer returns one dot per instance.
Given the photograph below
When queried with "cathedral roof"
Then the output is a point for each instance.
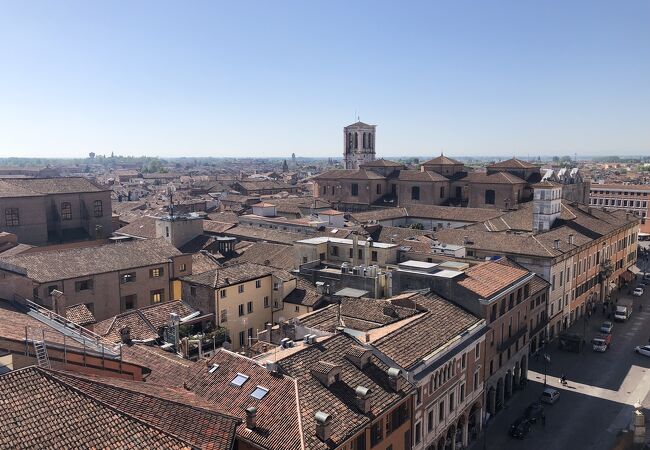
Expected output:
(381, 163)
(442, 161)
(513, 163)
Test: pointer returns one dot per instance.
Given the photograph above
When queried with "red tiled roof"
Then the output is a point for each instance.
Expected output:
(278, 423)
(490, 277)
(40, 411)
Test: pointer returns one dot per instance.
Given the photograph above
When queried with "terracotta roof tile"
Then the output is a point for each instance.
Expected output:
(45, 412)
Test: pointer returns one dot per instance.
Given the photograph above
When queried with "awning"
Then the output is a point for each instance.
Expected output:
(627, 276)
(634, 269)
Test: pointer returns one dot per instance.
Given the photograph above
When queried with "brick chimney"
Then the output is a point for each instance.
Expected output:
(251, 418)
(323, 425)
(363, 399)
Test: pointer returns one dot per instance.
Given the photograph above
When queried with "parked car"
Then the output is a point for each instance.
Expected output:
(534, 411)
(642, 284)
(638, 292)
(642, 350)
(550, 396)
(607, 327)
(598, 344)
(520, 428)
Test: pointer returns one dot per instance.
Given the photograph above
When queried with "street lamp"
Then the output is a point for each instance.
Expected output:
(547, 359)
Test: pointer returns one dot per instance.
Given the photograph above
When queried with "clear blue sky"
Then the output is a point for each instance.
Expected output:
(239, 78)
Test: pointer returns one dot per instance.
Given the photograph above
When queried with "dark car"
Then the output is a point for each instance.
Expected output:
(533, 412)
(520, 428)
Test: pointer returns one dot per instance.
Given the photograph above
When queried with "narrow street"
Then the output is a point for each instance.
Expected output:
(597, 402)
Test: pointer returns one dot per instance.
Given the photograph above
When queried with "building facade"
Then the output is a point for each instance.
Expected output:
(55, 210)
(626, 197)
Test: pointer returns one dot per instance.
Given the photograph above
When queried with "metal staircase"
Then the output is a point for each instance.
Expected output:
(41, 354)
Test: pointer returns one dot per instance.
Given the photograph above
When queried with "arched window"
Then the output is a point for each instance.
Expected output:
(66, 211)
(356, 140)
(98, 208)
(349, 140)
(364, 140)
(370, 143)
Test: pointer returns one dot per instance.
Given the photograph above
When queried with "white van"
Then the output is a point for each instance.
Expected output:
(550, 396)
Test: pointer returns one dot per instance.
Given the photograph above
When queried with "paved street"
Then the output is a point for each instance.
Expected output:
(602, 387)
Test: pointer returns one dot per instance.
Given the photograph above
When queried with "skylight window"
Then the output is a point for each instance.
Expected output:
(239, 380)
(259, 392)
(213, 368)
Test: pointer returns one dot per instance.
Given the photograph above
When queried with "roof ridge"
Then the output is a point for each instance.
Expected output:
(78, 391)
(542, 245)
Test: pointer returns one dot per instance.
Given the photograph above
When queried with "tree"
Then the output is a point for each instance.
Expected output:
(416, 226)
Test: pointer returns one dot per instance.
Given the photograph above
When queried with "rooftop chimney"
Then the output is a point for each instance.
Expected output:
(364, 402)
(125, 335)
(251, 417)
(395, 378)
(323, 425)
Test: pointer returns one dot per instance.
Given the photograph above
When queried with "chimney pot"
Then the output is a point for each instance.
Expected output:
(395, 379)
(251, 417)
(364, 402)
(323, 425)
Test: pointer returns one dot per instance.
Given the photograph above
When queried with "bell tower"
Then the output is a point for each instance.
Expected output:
(358, 144)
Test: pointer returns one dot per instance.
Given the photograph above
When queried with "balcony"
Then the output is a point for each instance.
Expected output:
(512, 339)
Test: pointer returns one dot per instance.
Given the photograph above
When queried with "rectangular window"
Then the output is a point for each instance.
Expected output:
(418, 432)
(266, 301)
(351, 254)
(360, 254)
(128, 302)
(452, 401)
(241, 309)
(240, 288)
(222, 293)
(463, 360)
(127, 278)
(156, 273)
(98, 208)
(182, 268)
(430, 420)
(376, 433)
(192, 291)
(415, 193)
(242, 338)
(11, 217)
(354, 189)
(157, 296)
(442, 191)
(373, 255)
(258, 284)
(335, 250)
(66, 211)
(224, 315)
(418, 395)
(250, 307)
(84, 285)
(441, 411)
(477, 351)
(462, 393)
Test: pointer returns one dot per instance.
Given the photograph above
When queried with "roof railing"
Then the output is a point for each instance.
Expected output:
(74, 328)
